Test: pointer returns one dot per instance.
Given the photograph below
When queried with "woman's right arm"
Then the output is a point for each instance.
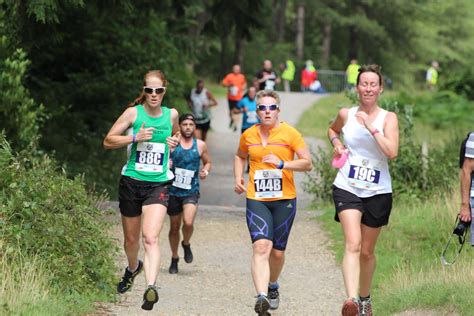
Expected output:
(115, 138)
(335, 129)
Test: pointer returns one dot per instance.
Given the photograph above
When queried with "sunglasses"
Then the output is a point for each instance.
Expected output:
(159, 90)
(271, 107)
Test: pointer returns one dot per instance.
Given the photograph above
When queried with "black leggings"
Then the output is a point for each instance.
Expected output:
(271, 220)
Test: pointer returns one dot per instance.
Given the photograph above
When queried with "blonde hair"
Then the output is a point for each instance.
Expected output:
(267, 93)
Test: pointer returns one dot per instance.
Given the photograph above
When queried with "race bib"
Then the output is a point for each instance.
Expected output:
(233, 91)
(364, 173)
(252, 117)
(269, 85)
(150, 157)
(268, 183)
(183, 178)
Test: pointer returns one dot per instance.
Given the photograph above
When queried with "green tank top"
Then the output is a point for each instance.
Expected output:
(148, 160)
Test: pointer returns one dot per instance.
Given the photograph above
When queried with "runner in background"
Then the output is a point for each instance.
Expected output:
(362, 190)
(271, 194)
(200, 101)
(236, 85)
(248, 106)
(267, 78)
(143, 188)
(184, 193)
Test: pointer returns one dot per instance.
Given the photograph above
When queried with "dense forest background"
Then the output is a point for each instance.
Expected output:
(68, 68)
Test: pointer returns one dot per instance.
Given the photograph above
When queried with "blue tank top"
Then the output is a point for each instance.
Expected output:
(186, 163)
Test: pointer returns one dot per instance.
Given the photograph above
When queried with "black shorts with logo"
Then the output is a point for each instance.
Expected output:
(134, 194)
(175, 204)
(375, 209)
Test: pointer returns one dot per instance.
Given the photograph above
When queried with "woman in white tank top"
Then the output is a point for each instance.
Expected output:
(362, 190)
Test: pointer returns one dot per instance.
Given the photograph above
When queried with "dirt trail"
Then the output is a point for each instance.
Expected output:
(219, 282)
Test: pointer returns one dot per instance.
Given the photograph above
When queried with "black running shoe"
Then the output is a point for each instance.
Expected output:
(273, 298)
(174, 266)
(150, 297)
(127, 280)
(262, 305)
(188, 254)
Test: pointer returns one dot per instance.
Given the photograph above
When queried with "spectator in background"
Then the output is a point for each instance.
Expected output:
(200, 101)
(432, 75)
(236, 84)
(288, 74)
(351, 74)
(267, 78)
(308, 75)
(248, 106)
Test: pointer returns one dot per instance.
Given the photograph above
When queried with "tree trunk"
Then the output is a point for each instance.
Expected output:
(280, 22)
(239, 50)
(327, 36)
(223, 62)
(352, 43)
(300, 31)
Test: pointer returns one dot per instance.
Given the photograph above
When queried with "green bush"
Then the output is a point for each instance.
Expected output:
(54, 218)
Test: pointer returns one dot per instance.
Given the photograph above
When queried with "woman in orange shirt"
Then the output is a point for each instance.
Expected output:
(271, 194)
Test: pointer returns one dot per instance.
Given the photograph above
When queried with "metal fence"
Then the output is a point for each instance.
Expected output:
(332, 80)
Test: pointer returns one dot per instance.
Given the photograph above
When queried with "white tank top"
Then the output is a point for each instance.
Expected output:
(365, 172)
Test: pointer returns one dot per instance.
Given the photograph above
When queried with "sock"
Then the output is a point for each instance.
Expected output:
(130, 270)
(262, 294)
(274, 285)
(362, 298)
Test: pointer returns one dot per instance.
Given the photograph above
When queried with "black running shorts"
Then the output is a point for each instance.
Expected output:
(203, 126)
(233, 104)
(271, 220)
(375, 209)
(175, 203)
(133, 194)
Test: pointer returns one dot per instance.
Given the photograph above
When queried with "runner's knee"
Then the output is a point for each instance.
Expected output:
(262, 247)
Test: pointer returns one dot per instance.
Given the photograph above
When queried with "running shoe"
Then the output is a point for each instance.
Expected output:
(365, 307)
(262, 305)
(350, 307)
(188, 254)
(174, 266)
(273, 298)
(127, 280)
(150, 297)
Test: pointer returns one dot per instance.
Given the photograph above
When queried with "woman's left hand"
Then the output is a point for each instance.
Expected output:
(272, 159)
(174, 140)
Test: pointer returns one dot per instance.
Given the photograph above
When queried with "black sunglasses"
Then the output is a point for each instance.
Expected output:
(271, 107)
(159, 90)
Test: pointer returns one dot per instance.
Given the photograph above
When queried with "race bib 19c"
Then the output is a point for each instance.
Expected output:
(183, 178)
(268, 183)
(364, 173)
(150, 157)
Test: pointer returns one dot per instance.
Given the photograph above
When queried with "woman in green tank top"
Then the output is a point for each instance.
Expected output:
(149, 131)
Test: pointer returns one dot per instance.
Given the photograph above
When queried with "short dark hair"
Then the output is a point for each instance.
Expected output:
(371, 68)
(187, 116)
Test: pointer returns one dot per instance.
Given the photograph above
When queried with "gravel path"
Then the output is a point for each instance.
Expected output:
(219, 282)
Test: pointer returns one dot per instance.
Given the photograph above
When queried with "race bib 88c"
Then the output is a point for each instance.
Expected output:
(268, 183)
(364, 173)
(150, 157)
(183, 178)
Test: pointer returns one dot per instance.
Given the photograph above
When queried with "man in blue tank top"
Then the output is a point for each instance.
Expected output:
(184, 193)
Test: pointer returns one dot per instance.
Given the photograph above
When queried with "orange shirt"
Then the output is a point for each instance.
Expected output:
(238, 82)
(266, 182)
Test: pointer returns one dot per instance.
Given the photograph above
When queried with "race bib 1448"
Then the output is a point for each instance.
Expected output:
(150, 157)
(268, 183)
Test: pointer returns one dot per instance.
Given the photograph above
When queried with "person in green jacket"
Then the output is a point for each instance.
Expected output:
(150, 132)
(352, 72)
(432, 75)
(288, 74)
